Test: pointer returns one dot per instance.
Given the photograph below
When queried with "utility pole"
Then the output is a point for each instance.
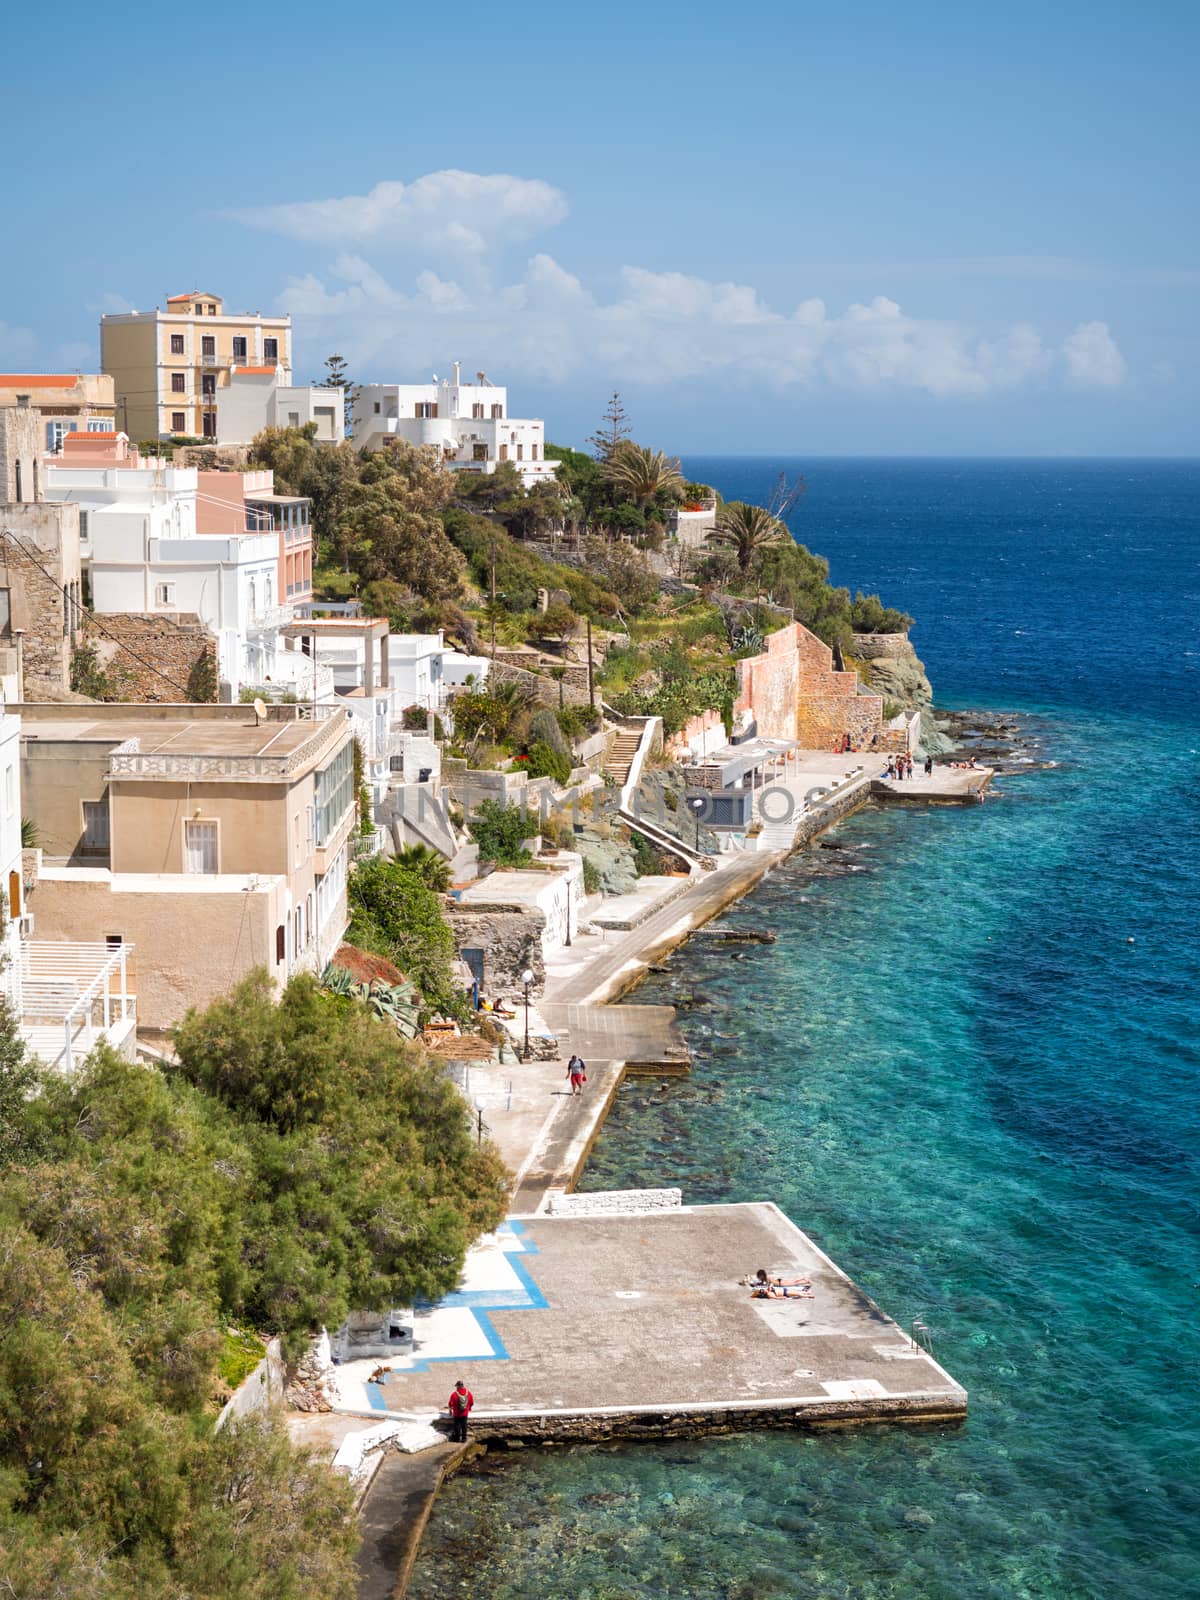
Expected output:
(591, 683)
(493, 592)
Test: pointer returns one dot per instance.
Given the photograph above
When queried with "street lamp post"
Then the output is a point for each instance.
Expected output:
(567, 940)
(697, 805)
(527, 980)
(479, 1105)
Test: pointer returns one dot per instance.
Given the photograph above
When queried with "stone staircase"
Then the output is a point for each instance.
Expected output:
(620, 757)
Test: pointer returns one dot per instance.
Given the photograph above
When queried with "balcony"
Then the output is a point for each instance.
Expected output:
(269, 619)
(70, 997)
(370, 844)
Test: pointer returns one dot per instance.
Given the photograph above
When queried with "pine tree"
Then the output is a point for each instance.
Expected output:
(336, 377)
(614, 429)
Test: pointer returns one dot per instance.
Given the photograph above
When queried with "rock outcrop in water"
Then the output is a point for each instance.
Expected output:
(895, 671)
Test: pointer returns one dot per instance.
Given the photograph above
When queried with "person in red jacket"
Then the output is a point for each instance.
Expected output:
(460, 1403)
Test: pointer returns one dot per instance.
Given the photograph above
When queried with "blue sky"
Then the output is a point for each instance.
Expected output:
(855, 229)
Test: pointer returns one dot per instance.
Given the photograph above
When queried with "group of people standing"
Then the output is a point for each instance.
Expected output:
(901, 766)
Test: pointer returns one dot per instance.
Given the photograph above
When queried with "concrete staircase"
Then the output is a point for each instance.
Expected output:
(620, 757)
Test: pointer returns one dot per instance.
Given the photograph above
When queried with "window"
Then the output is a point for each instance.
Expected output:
(479, 452)
(293, 419)
(270, 349)
(425, 408)
(497, 411)
(504, 452)
(209, 430)
(5, 613)
(212, 311)
(281, 943)
(56, 432)
(113, 941)
(178, 422)
(239, 347)
(296, 946)
(334, 793)
(199, 309)
(297, 858)
(176, 344)
(95, 827)
(533, 452)
(477, 410)
(164, 594)
(178, 383)
(520, 452)
(37, 493)
(200, 847)
(208, 347)
(83, 527)
(20, 497)
(208, 384)
(100, 425)
(378, 408)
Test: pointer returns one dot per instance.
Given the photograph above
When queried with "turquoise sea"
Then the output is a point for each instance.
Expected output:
(960, 1075)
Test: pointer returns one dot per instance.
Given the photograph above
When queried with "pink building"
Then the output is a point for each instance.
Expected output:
(247, 502)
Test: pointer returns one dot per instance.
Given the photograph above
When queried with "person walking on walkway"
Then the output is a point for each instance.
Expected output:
(929, 766)
(577, 1073)
(459, 1405)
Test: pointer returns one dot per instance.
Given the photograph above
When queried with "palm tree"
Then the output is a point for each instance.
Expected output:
(426, 864)
(747, 529)
(643, 474)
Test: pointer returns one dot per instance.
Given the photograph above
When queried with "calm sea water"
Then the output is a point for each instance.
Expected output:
(959, 1075)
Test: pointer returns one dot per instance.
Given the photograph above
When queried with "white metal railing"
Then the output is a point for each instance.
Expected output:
(76, 992)
(267, 618)
(365, 845)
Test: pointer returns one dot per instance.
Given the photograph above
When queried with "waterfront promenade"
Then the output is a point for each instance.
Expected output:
(624, 1316)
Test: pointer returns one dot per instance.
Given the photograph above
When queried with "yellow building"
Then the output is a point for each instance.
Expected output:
(167, 366)
(67, 402)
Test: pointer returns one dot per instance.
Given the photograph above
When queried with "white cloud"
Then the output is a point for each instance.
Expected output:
(1092, 358)
(462, 212)
(670, 327)
(654, 327)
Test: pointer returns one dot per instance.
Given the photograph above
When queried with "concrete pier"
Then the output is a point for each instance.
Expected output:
(945, 785)
(636, 1326)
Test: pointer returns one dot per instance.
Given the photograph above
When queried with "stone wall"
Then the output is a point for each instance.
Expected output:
(20, 441)
(175, 646)
(881, 646)
(544, 689)
(39, 566)
(511, 941)
(613, 1202)
(792, 691)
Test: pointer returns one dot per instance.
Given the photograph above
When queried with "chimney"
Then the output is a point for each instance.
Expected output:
(457, 373)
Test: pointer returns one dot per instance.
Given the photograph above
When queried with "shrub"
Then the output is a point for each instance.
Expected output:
(545, 726)
(546, 762)
(500, 831)
(591, 876)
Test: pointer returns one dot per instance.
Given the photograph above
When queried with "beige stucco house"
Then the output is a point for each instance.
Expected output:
(211, 840)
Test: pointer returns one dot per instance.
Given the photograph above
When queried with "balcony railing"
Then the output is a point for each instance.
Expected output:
(267, 619)
(159, 764)
(70, 996)
(370, 844)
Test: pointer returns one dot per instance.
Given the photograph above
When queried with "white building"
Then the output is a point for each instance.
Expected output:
(142, 553)
(260, 397)
(467, 423)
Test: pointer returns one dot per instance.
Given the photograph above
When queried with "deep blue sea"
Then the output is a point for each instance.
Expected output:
(956, 1071)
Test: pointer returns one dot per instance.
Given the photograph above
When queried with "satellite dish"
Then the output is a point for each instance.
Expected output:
(260, 710)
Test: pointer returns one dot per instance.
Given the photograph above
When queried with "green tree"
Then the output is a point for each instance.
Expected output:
(747, 530)
(432, 869)
(557, 623)
(396, 914)
(500, 832)
(644, 476)
(337, 377)
(613, 430)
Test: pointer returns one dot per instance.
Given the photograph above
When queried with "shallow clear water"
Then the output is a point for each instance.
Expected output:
(955, 1071)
